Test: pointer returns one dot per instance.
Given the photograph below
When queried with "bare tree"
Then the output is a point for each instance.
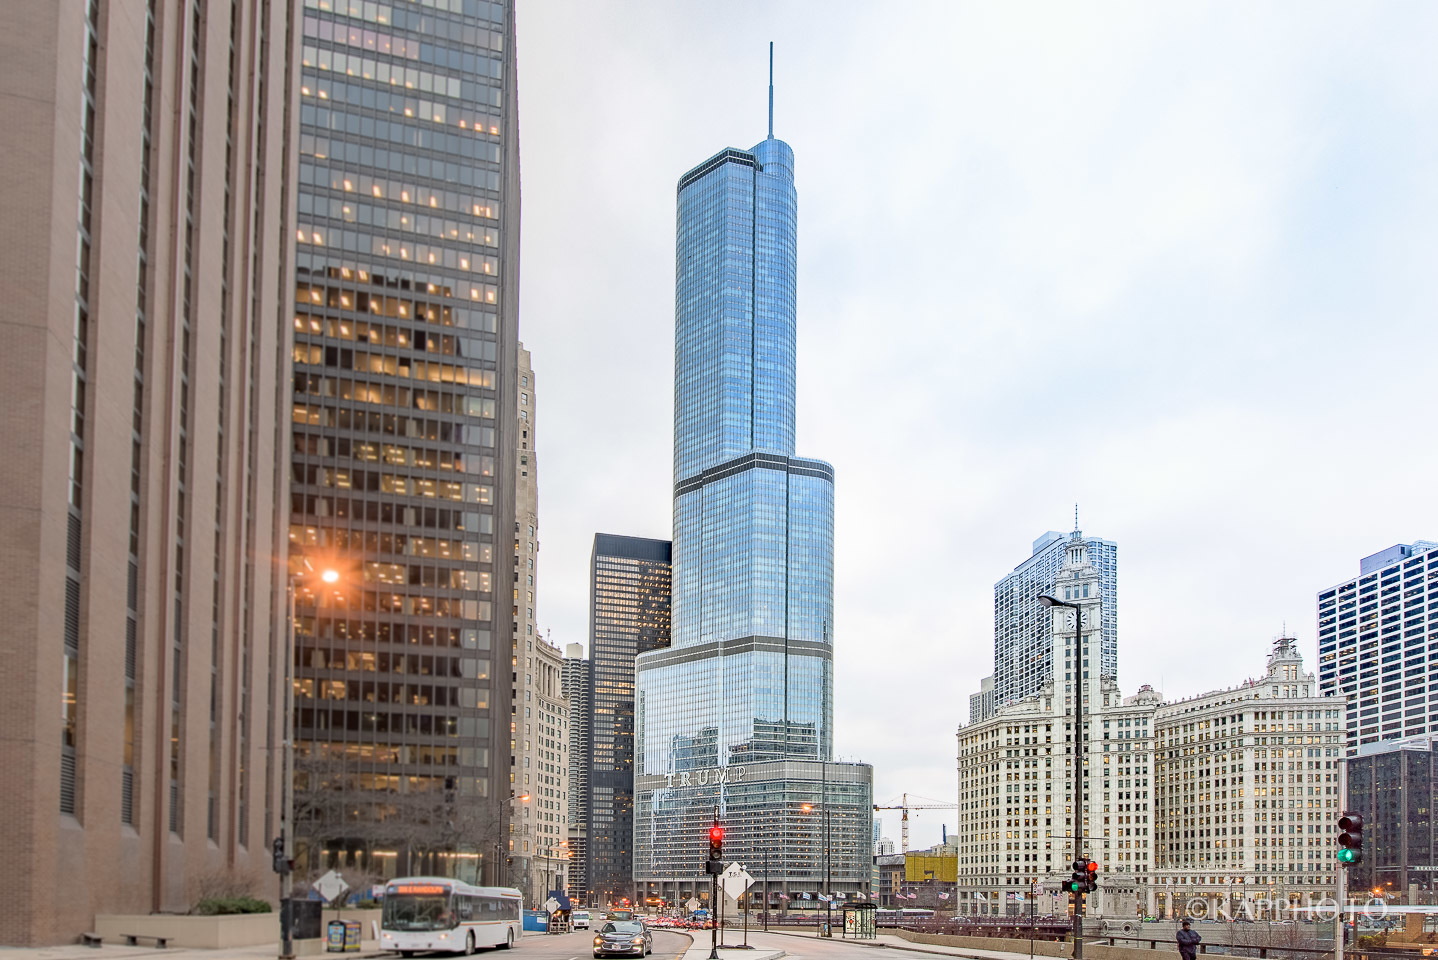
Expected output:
(225, 883)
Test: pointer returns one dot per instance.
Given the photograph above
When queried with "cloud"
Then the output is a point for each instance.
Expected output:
(1172, 262)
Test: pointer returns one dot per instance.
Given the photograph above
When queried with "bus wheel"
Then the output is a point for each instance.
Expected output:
(508, 940)
(469, 944)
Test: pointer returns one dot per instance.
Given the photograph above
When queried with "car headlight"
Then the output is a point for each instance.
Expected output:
(599, 941)
(638, 940)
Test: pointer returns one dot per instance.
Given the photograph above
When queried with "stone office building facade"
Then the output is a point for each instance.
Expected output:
(1215, 802)
(146, 160)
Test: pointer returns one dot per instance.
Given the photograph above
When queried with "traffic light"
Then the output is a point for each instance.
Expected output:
(281, 862)
(715, 865)
(1090, 876)
(1350, 838)
(1078, 883)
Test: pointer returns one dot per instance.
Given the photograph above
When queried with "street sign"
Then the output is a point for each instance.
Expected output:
(551, 905)
(330, 886)
(691, 904)
(735, 880)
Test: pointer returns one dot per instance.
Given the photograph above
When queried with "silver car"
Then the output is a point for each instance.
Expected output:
(619, 938)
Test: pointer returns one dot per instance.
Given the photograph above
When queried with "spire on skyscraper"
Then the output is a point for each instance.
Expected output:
(771, 89)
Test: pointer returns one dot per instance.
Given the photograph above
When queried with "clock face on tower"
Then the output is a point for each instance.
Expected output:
(1070, 619)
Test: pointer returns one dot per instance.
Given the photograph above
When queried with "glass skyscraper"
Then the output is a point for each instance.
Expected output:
(405, 423)
(736, 716)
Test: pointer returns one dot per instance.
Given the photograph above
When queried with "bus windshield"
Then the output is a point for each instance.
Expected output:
(420, 909)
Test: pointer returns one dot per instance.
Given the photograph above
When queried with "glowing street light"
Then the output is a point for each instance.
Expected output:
(284, 843)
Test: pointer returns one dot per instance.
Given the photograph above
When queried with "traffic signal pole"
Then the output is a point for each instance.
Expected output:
(1342, 868)
(713, 916)
(714, 866)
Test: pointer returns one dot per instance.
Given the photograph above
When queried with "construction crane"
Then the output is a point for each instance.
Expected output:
(906, 806)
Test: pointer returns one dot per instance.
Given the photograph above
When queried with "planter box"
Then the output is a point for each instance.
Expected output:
(208, 933)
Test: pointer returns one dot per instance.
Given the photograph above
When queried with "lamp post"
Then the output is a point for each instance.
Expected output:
(1033, 895)
(564, 855)
(766, 888)
(528, 861)
(1079, 752)
(828, 904)
(287, 786)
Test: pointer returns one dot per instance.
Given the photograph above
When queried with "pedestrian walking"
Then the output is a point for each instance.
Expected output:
(1188, 941)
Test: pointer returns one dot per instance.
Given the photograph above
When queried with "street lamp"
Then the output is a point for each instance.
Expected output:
(287, 786)
(1049, 601)
(528, 860)
(828, 840)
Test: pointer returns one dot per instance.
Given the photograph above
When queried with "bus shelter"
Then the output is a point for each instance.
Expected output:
(859, 921)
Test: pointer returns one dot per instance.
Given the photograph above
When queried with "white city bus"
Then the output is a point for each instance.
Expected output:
(436, 913)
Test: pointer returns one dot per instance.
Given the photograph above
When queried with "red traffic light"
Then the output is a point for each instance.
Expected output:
(1091, 866)
(716, 834)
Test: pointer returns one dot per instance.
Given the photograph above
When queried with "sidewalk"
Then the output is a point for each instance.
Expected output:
(699, 948)
(889, 941)
(265, 951)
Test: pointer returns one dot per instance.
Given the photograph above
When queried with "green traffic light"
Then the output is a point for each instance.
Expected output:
(1347, 856)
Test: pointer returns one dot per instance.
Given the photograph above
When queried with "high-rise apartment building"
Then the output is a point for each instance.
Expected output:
(404, 425)
(1375, 633)
(523, 839)
(578, 690)
(1021, 640)
(737, 713)
(526, 502)
(629, 616)
(981, 704)
(539, 831)
(145, 160)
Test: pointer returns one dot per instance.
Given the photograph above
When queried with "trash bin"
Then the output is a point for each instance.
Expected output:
(306, 921)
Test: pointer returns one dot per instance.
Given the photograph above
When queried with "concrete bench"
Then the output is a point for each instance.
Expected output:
(133, 939)
(91, 939)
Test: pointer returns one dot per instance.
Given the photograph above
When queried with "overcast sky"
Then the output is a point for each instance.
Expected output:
(1175, 263)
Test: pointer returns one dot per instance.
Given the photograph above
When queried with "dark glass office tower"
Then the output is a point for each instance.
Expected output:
(629, 616)
(1394, 785)
(404, 416)
(737, 714)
